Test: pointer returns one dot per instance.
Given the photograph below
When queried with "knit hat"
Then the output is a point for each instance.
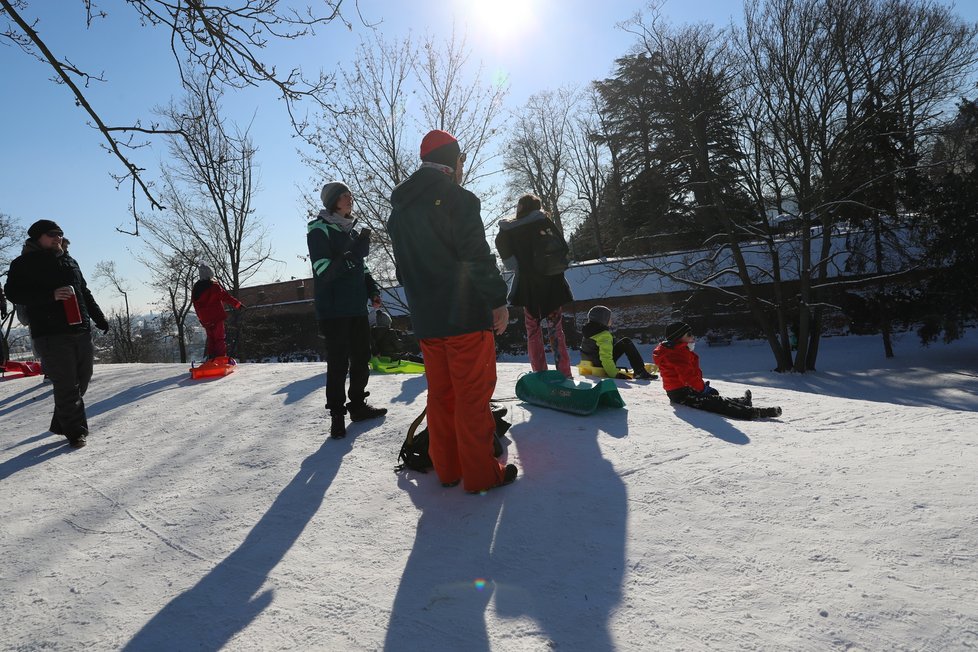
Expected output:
(676, 330)
(440, 147)
(41, 227)
(206, 273)
(331, 193)
(600, 314)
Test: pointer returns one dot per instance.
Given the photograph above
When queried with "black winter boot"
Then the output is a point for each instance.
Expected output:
(337, 428)
(364, 411)
(767, 413)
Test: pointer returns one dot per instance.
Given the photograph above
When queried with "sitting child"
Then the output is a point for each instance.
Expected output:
(683, 380)
(600, 348)
(385, 340)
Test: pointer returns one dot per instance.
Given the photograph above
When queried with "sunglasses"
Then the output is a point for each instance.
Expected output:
(55, 234)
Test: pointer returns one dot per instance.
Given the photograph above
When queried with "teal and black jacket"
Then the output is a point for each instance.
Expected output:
(450, 278)
(342, 283)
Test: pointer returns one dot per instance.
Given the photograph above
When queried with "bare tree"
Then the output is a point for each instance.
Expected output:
(538, 152)
(173, 275)
(371, 143)
(124, 342)
(209, 191)
(221, 43)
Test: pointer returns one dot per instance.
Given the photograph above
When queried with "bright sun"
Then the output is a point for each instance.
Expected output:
(502, 20)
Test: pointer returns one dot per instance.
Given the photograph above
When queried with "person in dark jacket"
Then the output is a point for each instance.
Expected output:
(683, 380)
(48, 282)
(601, 349)
(541, 295)
(3, 305)
(343, 286)
(209, 298)
(457, 298)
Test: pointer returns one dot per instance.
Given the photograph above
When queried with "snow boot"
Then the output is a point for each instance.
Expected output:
(747, 397)
(364, 411)
(509, 475)
(767, 413)
(337, 428)
(645, 375)
(78, 441)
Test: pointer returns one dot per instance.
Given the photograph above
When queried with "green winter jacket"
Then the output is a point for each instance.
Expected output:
(341, 280)
(449, 276)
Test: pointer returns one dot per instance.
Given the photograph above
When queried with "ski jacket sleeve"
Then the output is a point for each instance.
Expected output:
(504, 248)
(606, 347)
(477, 262)
(227, 298)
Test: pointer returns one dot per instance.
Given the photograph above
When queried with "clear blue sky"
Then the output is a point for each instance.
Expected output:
(52, 166)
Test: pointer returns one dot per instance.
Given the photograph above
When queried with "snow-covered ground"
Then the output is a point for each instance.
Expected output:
(209, 515)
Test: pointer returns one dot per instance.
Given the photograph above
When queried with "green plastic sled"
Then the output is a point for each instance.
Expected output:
(553, 390)
(385, 365)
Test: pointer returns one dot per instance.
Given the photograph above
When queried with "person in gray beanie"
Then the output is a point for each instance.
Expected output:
(343, 287)
(209, 299)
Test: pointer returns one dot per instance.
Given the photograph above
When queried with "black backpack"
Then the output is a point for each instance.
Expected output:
(414, 451)
(549, 251)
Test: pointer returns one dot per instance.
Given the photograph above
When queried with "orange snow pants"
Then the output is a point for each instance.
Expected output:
(461, 374)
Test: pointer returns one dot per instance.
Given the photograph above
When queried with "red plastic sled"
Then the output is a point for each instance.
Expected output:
(20, 369)
(219, 366)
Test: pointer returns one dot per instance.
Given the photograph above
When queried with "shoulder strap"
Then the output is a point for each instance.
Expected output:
(415, 425)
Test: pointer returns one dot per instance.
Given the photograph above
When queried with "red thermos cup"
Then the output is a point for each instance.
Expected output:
(72, 309)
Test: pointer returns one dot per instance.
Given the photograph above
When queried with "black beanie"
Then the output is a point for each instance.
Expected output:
(599, 314)
(676, 330)
(41, 227)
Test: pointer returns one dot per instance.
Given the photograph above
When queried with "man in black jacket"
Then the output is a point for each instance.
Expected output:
(46, 280)
(457, 299)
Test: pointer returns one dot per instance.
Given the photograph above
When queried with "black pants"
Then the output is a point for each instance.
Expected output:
(347, 351)
(731, 407)
(625, 347)
(67, 361)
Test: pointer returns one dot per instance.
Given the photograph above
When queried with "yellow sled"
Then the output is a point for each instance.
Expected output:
(587, 369)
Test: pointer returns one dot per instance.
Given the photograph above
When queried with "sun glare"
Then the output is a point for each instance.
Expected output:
(502, 20)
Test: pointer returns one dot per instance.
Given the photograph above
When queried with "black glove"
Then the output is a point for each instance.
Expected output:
(102, 325)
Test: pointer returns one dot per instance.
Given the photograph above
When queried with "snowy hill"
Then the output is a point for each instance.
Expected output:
(209, 515)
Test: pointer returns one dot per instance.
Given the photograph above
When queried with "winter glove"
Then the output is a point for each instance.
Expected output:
(102, 325)
(709, 391)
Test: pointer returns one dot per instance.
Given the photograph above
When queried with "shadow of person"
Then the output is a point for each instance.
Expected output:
(559, 552)
(448, 579)
(47, 392)
(411, 389)
(134, 393)
(34, 456)
(207, 615)
(715, 424)
(299, 389)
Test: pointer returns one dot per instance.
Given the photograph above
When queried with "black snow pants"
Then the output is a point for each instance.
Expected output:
(67, 361)
(347, 351)
(731, 407)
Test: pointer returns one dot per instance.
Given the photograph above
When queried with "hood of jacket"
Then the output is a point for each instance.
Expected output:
(514, 223)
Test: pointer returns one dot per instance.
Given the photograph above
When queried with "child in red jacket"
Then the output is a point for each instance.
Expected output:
(209, 299)
(683, 381)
